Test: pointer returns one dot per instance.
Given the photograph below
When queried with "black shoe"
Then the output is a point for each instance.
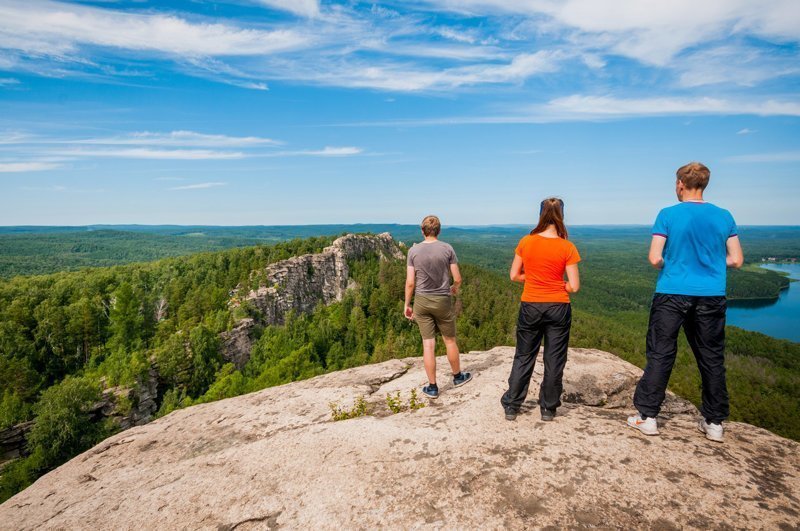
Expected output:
(461, 378)
(431, 391)
(547, 416)
(510, 414)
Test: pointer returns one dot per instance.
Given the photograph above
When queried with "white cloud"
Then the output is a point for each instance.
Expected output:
(54, 188)
(599, 107)
(735, 65)
(156, 154)
(398, 77)
(179, 138)
(14, 137)
(306, 8)
(653, 31)
(8, 81)
(18, 167)
(56, 28)
(198, 186)
(745, 131)
(327, 151)
(785, 156)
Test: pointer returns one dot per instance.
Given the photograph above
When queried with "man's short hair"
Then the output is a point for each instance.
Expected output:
(694, 175)
(431, 226)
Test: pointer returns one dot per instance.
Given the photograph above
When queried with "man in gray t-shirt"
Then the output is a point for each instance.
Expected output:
(431, 264)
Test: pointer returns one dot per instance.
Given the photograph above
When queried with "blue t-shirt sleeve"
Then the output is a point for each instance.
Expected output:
(734, 230)
(660, 227)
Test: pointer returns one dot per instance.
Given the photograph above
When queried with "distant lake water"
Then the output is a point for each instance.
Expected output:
(780, 318)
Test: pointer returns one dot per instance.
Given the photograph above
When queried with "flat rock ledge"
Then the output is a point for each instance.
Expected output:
(275, 459)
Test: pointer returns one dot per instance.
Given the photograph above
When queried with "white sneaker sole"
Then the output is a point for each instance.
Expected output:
(640, 430)
(709, 437)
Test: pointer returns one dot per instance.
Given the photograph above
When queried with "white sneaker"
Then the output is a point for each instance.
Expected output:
(648, 425)
(713, 431)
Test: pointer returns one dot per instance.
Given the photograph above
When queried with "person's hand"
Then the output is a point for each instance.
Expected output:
(454, 290)
(408, 312)
(567, 287)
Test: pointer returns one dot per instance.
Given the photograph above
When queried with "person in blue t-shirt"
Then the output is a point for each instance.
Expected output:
(694, 242)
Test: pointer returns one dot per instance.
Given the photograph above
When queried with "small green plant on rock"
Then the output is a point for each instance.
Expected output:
(394, 402)
(396, 405)
(414, 402)
(359, 409)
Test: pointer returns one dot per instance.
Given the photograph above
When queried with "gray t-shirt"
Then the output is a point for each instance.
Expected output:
(431, 263)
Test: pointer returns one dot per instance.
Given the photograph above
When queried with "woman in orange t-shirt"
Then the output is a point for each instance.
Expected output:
(541, 260)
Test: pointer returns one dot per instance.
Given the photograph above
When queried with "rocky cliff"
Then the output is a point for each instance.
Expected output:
(276, 458)
(299, 284)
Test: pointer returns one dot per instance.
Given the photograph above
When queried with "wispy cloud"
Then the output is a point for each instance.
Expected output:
(784, 156)
(20, 167)
(54, 188)
(735, 65)
(148, 153)
(648, 30)
(327, 151)
(599, 107)
(177, 138)
(398, 77)
(745, 131)
(8, 82)
(199, 186)
(306, 8)
(602, 108)
(58, 29)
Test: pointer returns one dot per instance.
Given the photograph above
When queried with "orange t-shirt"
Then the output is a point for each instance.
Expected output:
(544, 261)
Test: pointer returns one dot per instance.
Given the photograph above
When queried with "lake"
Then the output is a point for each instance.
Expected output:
(780, 318)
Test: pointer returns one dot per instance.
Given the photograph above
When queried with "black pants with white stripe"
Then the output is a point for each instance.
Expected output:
(537, 321)
(703, 322)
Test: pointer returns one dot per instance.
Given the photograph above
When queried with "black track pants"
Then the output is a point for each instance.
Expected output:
(550, 321)
(703, 322)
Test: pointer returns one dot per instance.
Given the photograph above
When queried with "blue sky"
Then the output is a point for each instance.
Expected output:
(300, 111)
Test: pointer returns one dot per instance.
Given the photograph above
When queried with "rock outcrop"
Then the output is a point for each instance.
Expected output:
(299, 284)
(12, 442)
(275, 458)
(126, 406)
(140, 398)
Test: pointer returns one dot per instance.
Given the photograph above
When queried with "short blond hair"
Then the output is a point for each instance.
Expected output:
(694, 175)
(431, 226)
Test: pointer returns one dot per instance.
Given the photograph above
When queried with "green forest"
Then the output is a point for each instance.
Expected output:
(64, 337)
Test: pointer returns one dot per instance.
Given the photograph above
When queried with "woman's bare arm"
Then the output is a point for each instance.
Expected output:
(516, 273)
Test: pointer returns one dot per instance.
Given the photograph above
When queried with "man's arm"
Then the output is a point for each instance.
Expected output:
(410, 282)
(454, 271)
(735, 256)
(516, 273)
(656, 256)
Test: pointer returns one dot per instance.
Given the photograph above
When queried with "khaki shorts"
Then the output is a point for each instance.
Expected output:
(435, 313)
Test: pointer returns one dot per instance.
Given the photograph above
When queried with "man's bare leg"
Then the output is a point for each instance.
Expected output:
(429, 358)
(452, 354)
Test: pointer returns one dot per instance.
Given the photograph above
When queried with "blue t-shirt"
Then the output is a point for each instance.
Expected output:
(694, 255)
